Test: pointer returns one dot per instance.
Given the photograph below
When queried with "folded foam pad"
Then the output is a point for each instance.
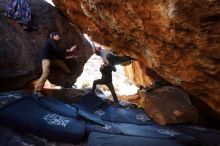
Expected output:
(205, 136)
(148, 131)
(95, 109)
(156, 131)
(87, 107)
(108, 128)
(132, 116)
(27, 114)
(90, 116)
(11, 97)
(57, 106)
(88, 103)
(102, 139)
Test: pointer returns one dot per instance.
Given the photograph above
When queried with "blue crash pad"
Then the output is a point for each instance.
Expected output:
(29, 115)
(102, 139)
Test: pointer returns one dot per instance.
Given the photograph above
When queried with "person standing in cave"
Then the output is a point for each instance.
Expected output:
(106, 79)
(51, 54)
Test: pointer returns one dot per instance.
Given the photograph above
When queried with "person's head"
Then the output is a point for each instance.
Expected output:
(55, 36)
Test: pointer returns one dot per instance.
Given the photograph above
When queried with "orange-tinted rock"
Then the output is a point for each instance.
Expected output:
(169, 105)
(178, 39)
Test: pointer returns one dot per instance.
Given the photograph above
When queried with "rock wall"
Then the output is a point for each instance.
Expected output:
(178, 39)
(169, 105)
(19, 49)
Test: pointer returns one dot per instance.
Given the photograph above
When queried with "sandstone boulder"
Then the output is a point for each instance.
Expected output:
(177, 39)
(169, 105)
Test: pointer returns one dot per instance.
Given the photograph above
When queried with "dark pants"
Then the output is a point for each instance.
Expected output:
(108, 84)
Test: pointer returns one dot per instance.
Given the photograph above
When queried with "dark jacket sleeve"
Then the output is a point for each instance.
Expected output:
(56, 48)
(114, 68)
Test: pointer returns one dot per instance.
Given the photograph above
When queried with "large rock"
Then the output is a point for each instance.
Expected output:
(19, 50)
(178, 39)
(169, 105)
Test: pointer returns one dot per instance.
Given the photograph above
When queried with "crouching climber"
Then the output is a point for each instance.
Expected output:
(51, 54)
(106, 79)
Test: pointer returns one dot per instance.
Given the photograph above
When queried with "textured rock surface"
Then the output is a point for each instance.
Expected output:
(169, 105)
(178, 39)
(19, 50)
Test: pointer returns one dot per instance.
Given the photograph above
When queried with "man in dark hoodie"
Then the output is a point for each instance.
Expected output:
(106, 79)
(51, 54)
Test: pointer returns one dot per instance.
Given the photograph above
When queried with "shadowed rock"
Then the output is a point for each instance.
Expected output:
(169, 105)
(19, 49)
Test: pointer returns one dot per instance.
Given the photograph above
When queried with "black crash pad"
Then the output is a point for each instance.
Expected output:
(107, 128)
(102, 139)
(205, 136)
(88, 103)
(87, 106)
(98, 110)
(56, 106)
(147, 131)
(155, 131)
(26, 114)
(131, 116)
